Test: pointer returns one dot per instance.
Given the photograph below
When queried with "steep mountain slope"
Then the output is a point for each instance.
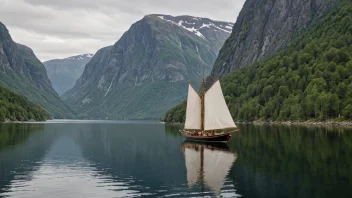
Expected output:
(63, 73)
(17, 108)
(264, 27)
(22, 72)
(147, 70)
(310, 80)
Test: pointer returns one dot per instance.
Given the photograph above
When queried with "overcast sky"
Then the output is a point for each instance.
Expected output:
(63, 28)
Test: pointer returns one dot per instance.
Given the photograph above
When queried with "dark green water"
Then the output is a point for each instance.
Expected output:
(128, 159)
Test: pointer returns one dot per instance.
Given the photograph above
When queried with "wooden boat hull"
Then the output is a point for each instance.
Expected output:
(224, 137)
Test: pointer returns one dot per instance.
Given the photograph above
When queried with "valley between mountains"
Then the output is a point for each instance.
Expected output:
(141, 76)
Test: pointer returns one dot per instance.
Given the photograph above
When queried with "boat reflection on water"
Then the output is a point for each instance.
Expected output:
(208, 164)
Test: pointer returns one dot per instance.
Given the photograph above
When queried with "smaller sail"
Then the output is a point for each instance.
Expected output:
(193, 112)
(216, 112)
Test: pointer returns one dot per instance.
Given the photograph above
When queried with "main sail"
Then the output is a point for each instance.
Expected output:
(216, 112)
(193, 112)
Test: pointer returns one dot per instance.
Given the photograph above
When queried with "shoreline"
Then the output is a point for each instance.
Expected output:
(307, 123)
(50, 121)
(347, 124)
(289, 123)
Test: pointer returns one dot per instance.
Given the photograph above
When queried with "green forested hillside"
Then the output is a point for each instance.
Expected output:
(310, 80)
(15, 107)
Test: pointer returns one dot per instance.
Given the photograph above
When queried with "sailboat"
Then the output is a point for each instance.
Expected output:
(207, 115)
(208, 164)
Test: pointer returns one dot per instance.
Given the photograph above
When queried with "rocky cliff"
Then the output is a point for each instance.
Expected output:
(22, 72)
(148, 69)
(264, 27)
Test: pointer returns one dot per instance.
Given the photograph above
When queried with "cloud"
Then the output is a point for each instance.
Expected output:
(61, 28)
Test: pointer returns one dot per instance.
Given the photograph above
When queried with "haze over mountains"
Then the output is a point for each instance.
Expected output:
(63, 73)
(148, 69)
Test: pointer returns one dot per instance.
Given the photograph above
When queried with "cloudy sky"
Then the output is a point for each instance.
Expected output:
(63, 28)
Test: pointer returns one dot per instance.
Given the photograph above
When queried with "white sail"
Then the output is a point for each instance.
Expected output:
(193, 112)
(217, 165)
(216, 112)
(192, 158)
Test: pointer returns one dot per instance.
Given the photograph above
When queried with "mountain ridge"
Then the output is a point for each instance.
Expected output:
(74, 57)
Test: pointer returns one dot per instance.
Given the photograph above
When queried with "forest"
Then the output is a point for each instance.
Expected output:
(14, 107)
(311, 80)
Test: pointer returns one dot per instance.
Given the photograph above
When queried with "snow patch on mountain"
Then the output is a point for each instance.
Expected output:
(195, 31)
(195, 24)
(81, 57)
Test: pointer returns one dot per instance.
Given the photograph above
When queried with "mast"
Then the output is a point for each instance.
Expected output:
(202, 103)
(202, 167)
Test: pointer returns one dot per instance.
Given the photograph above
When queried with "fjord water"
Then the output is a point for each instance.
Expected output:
(127, 159)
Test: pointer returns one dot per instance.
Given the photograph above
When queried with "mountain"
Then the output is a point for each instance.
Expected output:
(265, 27)
(22, 72)
(63, 73)
(15, 107)
(309, 80)
(147, 70)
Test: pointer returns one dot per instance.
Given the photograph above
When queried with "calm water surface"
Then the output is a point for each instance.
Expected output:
(149, 159)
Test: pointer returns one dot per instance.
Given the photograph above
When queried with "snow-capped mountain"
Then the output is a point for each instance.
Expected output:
(207, 29)
(63, 73)
(148, 69)
(199, 26)
(80, 57)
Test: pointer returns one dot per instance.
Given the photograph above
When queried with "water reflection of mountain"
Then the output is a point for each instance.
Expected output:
(208, 164)
(22, 146)
(296, 161)
(142, 152)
